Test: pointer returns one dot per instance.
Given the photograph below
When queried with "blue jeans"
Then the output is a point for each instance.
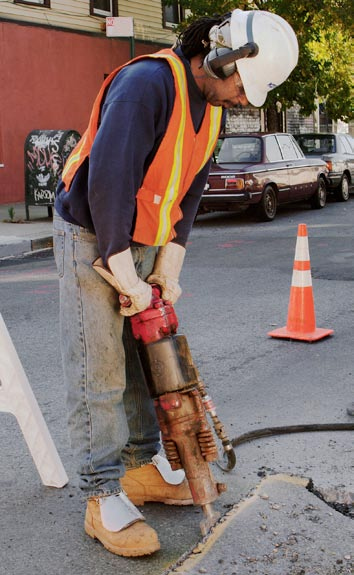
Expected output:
(111, 416)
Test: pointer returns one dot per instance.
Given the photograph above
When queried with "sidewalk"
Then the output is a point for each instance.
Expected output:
(21, 237)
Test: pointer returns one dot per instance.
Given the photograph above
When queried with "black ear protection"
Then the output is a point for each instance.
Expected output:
(221, 62)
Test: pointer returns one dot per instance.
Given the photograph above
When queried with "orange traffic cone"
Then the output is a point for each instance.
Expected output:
(301, 323)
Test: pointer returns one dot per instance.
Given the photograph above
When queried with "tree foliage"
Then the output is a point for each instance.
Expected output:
(324, 29)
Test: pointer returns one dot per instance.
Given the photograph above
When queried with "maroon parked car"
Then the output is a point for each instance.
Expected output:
(260, 171)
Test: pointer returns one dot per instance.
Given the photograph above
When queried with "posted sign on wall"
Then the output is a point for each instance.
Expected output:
(119, 27)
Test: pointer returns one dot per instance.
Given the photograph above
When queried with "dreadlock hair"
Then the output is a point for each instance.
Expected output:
(194, 39)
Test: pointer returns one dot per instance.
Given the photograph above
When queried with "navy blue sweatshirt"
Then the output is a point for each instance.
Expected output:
(134, 118)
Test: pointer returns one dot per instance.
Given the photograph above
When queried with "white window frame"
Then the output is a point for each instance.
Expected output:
(98, 12)
(44, 3)
(180, 15)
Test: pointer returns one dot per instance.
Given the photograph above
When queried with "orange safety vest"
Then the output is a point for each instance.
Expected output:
(180, 156)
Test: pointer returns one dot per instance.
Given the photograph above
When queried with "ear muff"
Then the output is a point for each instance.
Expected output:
(221, 62)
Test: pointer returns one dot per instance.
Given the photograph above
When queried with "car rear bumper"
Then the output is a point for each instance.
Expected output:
(333, 180)
(237, 197)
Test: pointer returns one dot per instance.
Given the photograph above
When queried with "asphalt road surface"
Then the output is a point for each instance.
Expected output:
(236, 284)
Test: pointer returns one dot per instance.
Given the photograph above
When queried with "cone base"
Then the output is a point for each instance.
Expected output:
(315, 335)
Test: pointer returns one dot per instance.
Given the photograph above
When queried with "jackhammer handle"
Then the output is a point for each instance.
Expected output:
(125, 300)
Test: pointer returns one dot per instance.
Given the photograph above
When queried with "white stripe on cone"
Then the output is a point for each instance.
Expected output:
(301, 278)
(302, 253)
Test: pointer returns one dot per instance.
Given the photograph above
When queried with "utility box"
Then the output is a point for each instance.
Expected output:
(46, 152)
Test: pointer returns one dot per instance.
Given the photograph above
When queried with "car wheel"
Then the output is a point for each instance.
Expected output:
(267, 207)
(342, 192)
(319, 199)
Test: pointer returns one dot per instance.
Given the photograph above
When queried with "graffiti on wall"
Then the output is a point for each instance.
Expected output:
(46, 152)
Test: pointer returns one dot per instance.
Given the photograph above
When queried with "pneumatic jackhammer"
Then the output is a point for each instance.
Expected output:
(181, 403)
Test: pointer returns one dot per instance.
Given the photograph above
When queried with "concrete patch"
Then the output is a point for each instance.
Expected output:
(281, 529)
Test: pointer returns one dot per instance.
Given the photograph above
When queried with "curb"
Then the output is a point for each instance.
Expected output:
(42, 243)
(26, 249)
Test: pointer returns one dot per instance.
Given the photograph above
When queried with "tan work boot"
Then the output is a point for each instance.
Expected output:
(119, 526)
(156, 482)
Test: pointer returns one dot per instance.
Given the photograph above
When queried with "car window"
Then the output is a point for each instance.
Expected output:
(346, 145)
(287, 148)
(298, 150)
(239, 150)
(217, 150)
(350, 141)
(317, 145)
(272, 150)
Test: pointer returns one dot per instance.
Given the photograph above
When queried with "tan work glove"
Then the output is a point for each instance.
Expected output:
(167, 268)
(121, 274)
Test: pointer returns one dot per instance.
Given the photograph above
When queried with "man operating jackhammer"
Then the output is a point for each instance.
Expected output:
(125, 206)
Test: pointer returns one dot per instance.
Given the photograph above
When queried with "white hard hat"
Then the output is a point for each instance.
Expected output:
(277, 55)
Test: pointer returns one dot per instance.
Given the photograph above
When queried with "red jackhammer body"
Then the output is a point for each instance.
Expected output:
(181, 403)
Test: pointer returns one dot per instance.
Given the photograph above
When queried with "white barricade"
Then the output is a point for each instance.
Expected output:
(16, 397)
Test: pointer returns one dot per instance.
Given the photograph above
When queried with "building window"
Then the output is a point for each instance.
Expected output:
(45, 3)
(103, 8)
(172, 14)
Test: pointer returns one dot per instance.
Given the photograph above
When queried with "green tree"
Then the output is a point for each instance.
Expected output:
(325, 69)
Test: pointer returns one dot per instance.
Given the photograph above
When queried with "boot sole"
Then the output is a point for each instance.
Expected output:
(141, 500)
(119, 550)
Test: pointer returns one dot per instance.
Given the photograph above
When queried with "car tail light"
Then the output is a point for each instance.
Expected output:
(329, 165)
(235, 183)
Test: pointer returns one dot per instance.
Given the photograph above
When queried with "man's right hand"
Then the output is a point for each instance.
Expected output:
(121, 274)
(140, 299)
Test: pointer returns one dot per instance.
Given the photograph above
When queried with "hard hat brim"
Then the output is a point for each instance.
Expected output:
(277, 55)
(255, 96)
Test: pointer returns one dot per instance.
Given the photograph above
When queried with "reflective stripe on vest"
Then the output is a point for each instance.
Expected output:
(174, 182)
(180, 156)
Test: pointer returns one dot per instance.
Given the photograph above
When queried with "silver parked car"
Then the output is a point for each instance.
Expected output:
(337, 150)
